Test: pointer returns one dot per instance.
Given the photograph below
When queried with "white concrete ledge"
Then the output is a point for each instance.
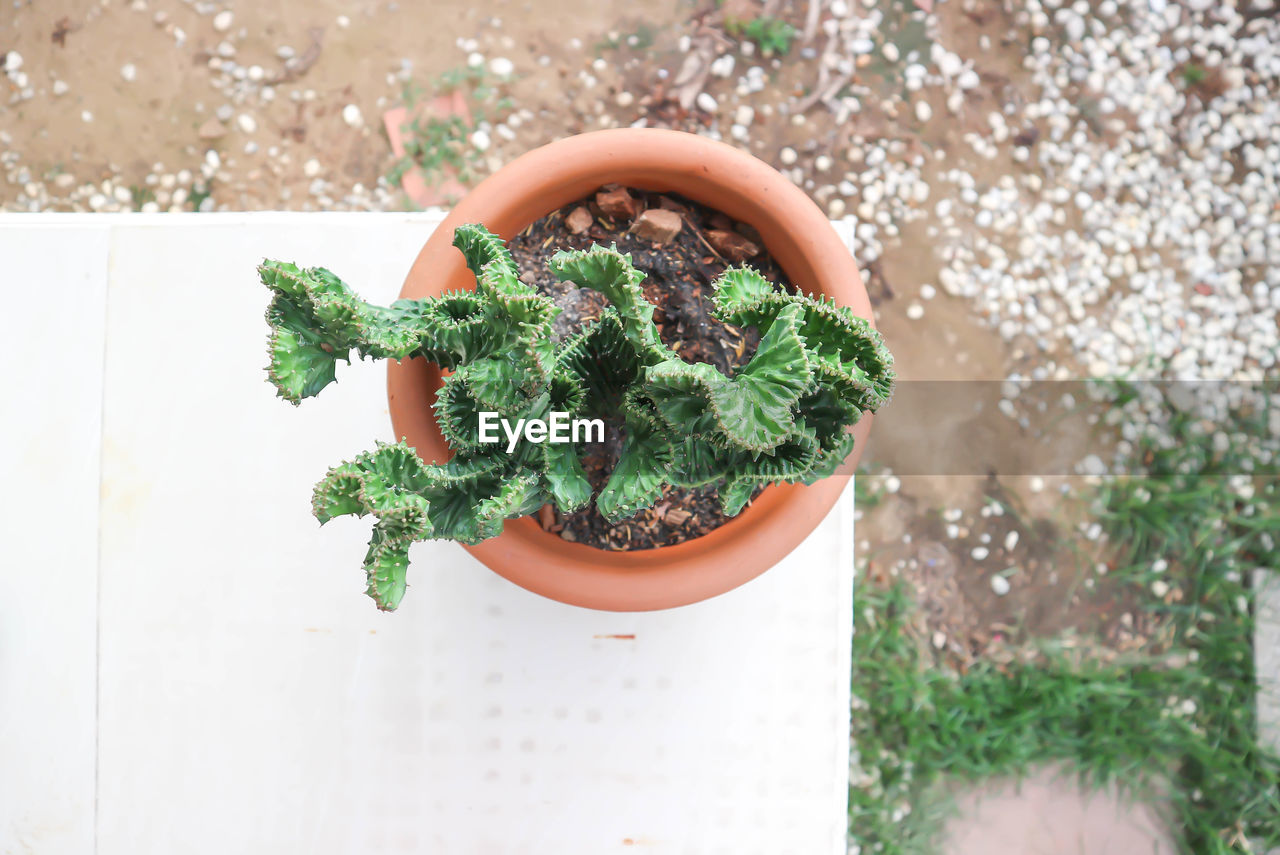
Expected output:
(188, 661)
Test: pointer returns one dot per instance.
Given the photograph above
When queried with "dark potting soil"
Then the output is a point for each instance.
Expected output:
(678, 277)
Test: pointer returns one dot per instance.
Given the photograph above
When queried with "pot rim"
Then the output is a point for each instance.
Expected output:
(795, 232)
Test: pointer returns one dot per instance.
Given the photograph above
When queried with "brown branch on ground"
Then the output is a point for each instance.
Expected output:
(300, 64)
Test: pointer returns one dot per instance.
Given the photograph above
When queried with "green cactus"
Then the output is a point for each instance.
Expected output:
(783, 417)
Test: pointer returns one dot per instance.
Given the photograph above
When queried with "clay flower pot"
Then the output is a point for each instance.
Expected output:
(798, 236)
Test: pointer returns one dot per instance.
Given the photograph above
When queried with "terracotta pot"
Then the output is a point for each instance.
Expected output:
(798, 236)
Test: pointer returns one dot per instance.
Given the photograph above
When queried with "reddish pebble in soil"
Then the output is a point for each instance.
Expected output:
(678, 277)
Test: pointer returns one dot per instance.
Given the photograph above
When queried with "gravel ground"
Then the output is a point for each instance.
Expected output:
(1098, 182)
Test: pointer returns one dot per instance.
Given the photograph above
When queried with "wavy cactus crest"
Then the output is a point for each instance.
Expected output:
(783, 417)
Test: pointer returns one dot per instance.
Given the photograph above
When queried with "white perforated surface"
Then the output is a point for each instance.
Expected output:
(249, 697)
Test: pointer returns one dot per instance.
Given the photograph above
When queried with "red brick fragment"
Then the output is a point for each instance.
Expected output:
(658, 225)
(618, 204)
(732, 245)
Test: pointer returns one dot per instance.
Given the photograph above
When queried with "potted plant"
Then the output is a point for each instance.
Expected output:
(497, 409)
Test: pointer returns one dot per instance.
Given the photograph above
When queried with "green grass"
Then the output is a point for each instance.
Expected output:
(1183, 721)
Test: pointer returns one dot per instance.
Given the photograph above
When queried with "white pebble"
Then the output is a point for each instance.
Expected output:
(129, 72)
(722, 66)
(502, 66)
(1000, 585)
(923, 111)
(311, 168)
(979, 553)
(1093, 465)
(480, 140)
(788, 156)
(352, 116)
(915, 311)
(706, 103)
(1010, 541)
(222, 21)
(246, 123)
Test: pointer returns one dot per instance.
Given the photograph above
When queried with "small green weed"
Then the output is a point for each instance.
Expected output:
(1192, 74)
(199, 192)
(436, 146)
(771, 35)
(868, 489)
(140, 195)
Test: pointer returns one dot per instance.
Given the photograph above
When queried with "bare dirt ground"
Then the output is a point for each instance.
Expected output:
(148, 88)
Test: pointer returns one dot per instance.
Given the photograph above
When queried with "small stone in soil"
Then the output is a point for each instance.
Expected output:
(732, 245)
(657, 225)
(579, 220)
(617, 204)
(675, 516)
(212, 130)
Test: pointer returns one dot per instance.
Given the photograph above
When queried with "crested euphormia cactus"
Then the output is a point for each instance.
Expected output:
(783, 417)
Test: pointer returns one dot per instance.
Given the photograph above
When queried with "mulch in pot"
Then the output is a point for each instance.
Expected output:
(678, 277)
